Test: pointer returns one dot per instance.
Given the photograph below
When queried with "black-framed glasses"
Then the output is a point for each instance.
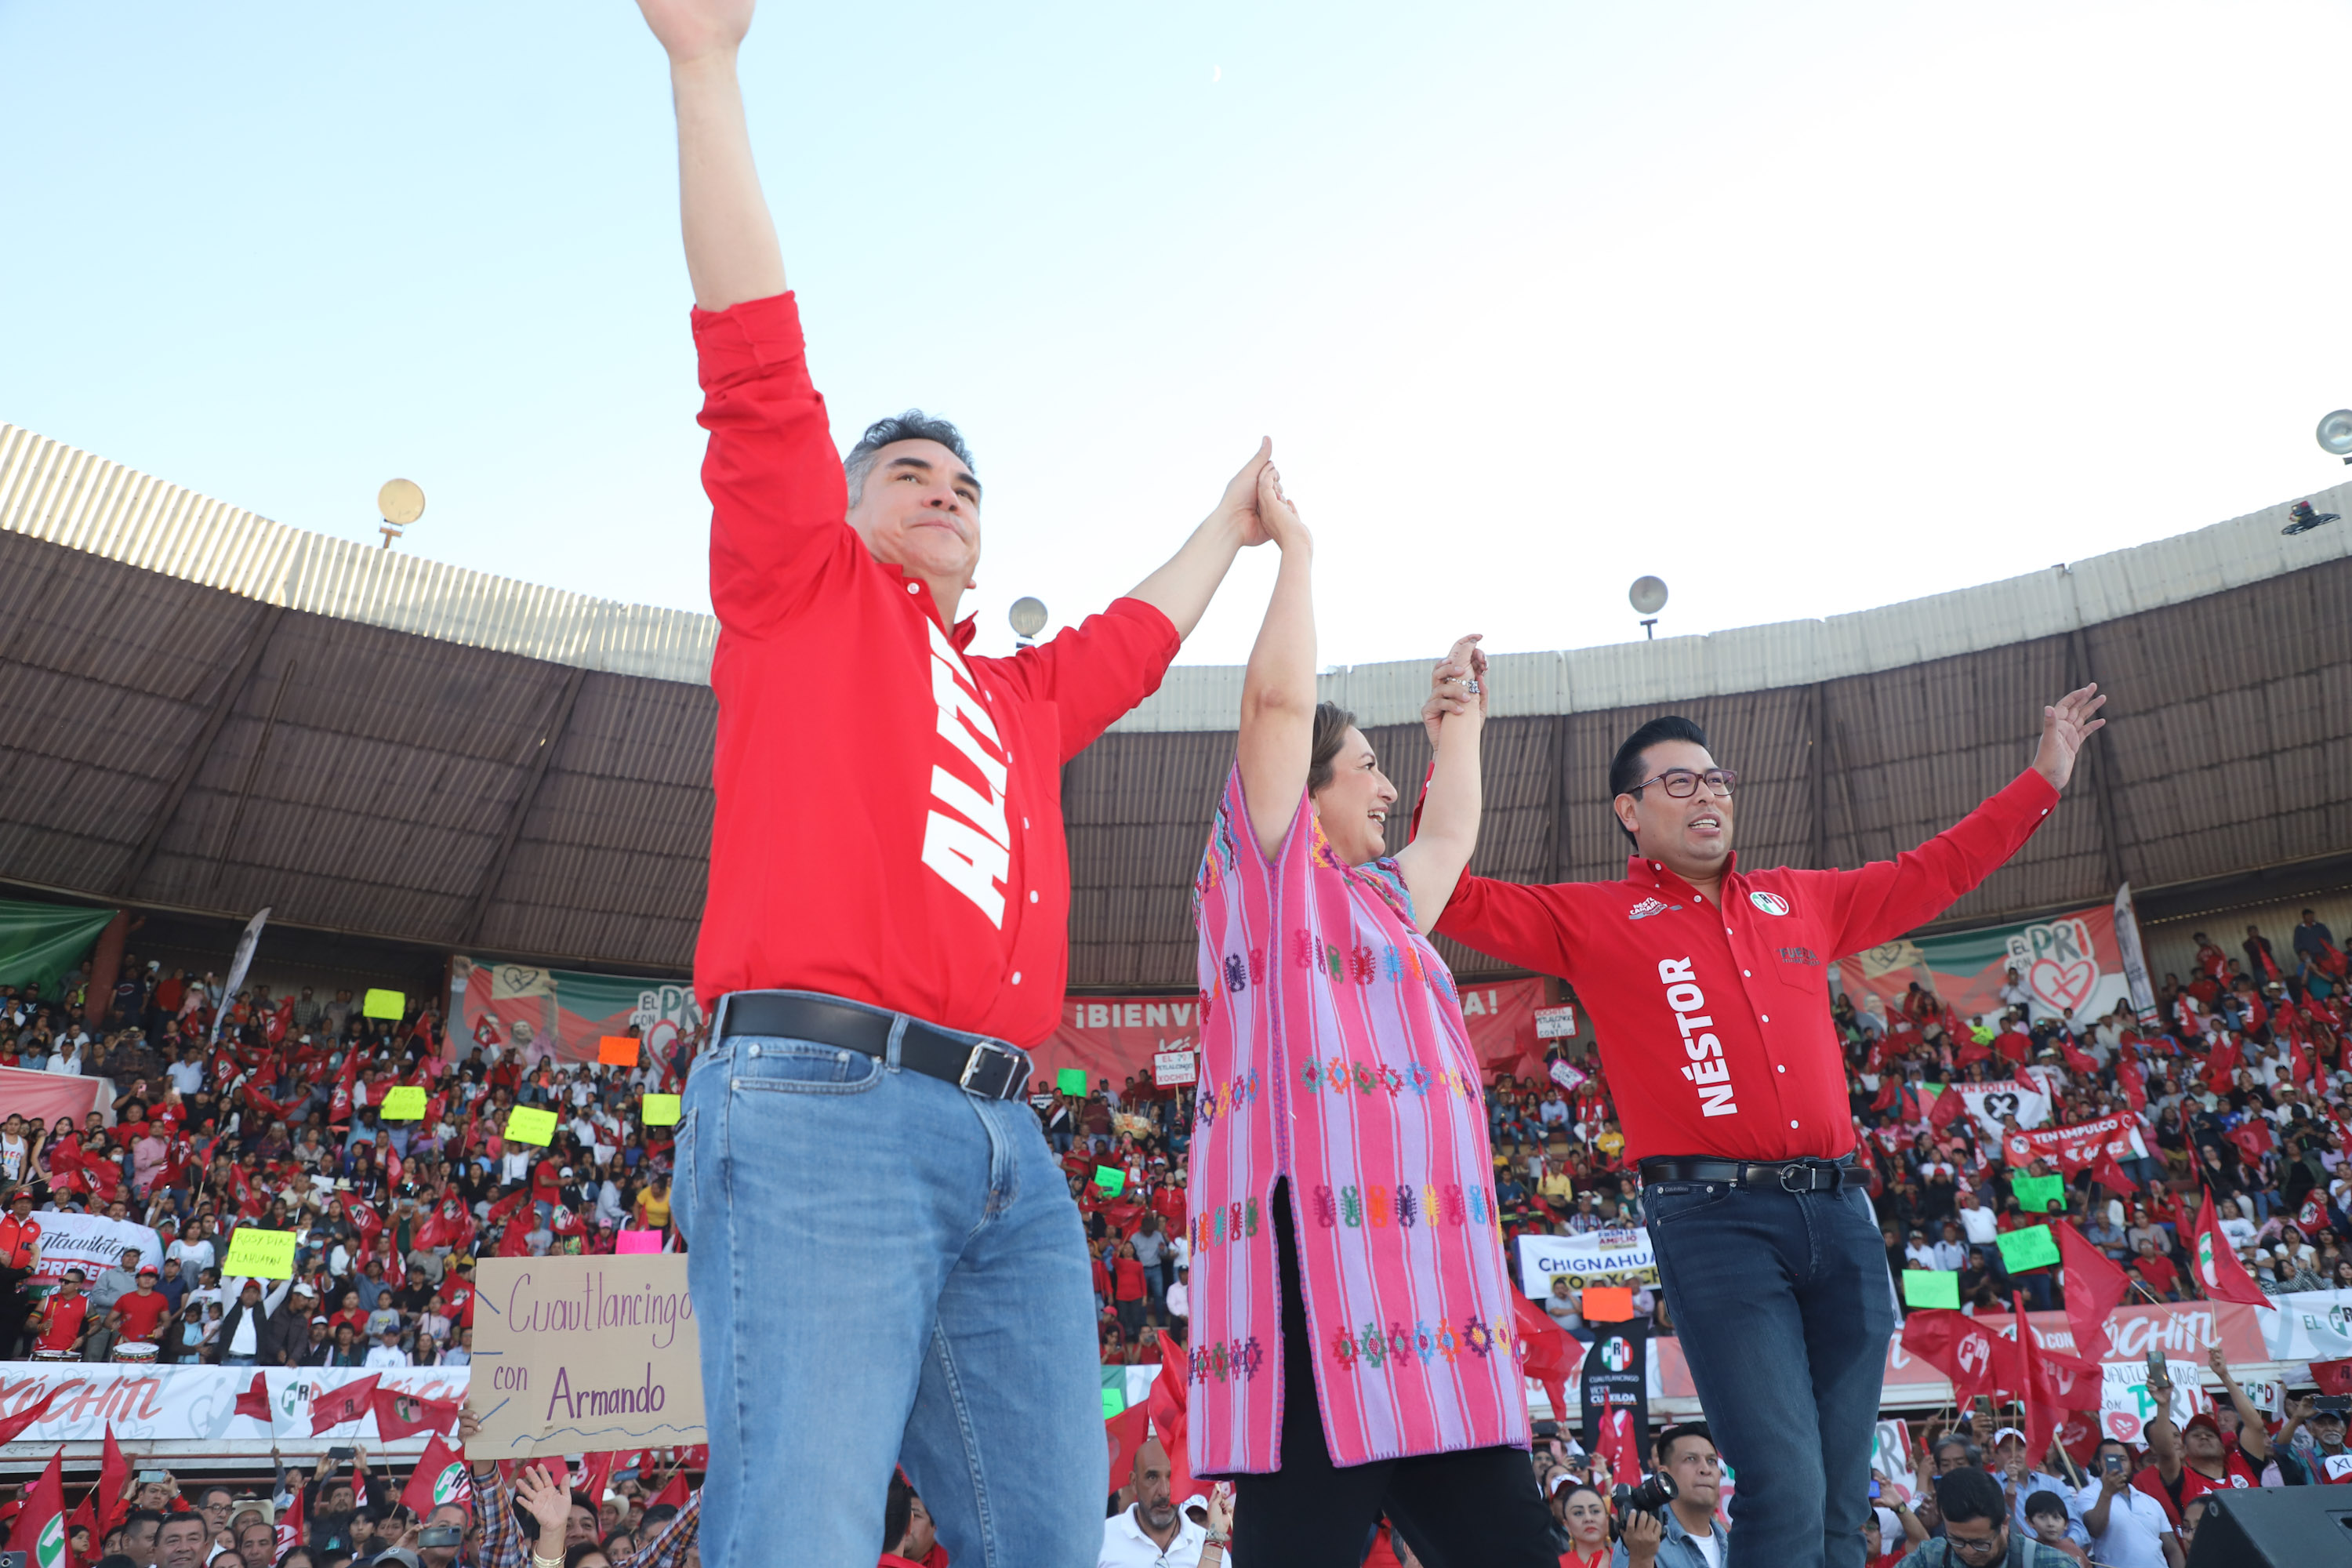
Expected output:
(1973, 1546)
(1682, 783)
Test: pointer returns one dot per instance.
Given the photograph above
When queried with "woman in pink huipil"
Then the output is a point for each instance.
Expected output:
(1353, 1350)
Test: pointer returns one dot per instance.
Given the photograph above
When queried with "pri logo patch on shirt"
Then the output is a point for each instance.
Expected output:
(1770, 903)
(1647, 907)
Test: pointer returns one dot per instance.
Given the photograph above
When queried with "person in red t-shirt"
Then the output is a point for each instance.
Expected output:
(140, 1314)
(886, 926)
(2187, 1464)
(64, 1317)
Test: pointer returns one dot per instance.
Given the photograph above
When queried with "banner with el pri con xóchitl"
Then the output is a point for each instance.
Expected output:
(562, 1012)
(2072, 964)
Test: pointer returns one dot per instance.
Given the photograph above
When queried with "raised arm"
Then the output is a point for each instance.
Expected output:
(1446, 829)
(2253, 1435)
(1182, 588)
(730, 241)
(1278, 690)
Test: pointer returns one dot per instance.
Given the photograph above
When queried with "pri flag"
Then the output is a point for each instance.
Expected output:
(2095, 1287)
(1958, 1346)
(332, 1407)
(255, 1401)
(288, 1526)
(2215, 1263)
(1616, 1381)
(400, 1414)
(441, 1477)
(40, 1530)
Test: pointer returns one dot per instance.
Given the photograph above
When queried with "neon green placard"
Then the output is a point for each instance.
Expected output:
(2031, 1248)
(1931, 1288)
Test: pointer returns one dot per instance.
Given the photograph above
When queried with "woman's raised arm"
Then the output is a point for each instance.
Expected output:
(1448, 828)
(1279, 691)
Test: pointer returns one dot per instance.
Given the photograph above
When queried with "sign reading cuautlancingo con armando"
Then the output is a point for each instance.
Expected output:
(582, 1354)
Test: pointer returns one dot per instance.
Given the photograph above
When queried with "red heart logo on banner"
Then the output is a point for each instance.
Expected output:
(2064, 986)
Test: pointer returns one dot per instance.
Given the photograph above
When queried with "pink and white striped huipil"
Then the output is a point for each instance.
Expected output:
(1333, 1052)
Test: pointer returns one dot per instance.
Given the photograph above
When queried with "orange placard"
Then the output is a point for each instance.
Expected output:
(617, 1050)
(1607, 1303)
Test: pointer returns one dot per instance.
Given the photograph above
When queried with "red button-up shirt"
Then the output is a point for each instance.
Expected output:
(1716, 1022)
(889, 822)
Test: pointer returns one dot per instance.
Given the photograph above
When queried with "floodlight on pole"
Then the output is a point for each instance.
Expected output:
(2335, 435)
(401, 502)
(1028, 618)
(1648, 596)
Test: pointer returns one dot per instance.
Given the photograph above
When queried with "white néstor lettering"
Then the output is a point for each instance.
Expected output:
(1707, 1071)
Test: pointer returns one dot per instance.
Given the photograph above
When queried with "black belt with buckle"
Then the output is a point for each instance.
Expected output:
(1787, 1176)
(990, 1069)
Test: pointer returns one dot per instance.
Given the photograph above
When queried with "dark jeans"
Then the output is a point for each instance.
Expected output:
(1475, 1508)
(1784, 1309)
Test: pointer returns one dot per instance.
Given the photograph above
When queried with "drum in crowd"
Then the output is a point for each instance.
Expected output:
(57, 1356)
(136, 1352)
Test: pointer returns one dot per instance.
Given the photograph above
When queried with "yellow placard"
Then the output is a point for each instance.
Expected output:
(382, 1005)
(263, 1253)
(661, 1111)
(403, 1102)
(527, 1124)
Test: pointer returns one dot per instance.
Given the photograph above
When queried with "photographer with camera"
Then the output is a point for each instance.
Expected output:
(1669, 1520)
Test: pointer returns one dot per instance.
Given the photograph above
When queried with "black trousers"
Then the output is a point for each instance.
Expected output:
(1477, 1507)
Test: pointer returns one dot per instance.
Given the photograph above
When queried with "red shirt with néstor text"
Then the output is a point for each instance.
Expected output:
(889, 822)
(1714, 1023)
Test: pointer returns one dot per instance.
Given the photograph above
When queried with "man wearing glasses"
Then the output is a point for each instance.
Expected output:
(1977, 1532)
(1708, 986)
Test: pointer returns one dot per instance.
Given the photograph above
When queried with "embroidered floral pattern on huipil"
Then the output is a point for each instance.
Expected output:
(1333, 1052)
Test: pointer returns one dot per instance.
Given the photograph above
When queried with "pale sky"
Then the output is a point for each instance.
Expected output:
(1805, 308)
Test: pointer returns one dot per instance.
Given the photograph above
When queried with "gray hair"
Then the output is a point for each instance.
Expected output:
(914, 424)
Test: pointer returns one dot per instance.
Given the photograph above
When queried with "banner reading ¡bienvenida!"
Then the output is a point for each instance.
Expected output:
(562, 1012)
(2073, 966)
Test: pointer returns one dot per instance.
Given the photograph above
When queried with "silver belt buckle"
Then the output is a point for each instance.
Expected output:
(971, 1065)
(1803, 1173)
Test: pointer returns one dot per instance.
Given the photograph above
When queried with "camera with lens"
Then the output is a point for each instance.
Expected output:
(1651, 1497)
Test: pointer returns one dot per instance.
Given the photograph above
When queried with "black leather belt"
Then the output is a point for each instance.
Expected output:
(989, 1068)
(1787, 1176)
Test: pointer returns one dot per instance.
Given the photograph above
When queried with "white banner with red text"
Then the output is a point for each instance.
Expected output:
(2077, 1148)
(194, 1409)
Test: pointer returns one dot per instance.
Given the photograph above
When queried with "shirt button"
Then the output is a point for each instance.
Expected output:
(1729, 932)
(914, 587)
(1792, 1125)
(1763, 1017)
(1024, 824)
(1746, 976)
(1016, 977)
(1032, 895)
(1779, 1069)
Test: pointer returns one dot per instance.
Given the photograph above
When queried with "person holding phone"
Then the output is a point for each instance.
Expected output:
(1353, 1348)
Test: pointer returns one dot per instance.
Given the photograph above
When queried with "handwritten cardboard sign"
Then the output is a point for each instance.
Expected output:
(528, 1124)
(403, 1102)
(263, 1253)
(584, 1355)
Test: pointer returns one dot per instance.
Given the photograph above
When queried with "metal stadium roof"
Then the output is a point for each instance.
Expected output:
(207, 711)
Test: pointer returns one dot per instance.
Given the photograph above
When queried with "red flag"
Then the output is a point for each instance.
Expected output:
(113, 1482)
(2133, 1077)
(596, 1470)
(1547, 1354)
(1974, 1051)
(673, 1494)
(2110, 1175)
(338, 1108)
(362, 1216)
(2215, 1263)
(2075, 1059)
(2014, 1044)
(1887, 1087)
(2222, 1064)
(85, 1516)
(1170, 1408)
(2037, 1442)
(1126, 1432)
(1958, 1346)
(40, 1530)
(2252, 1138)
(332, 1407)
(1950, 1107)
(441, 1476)
(403, 1414)
(32, 1414)
(1619, 1444)
(288, 1526)
(2333, 1376)
(255, 1401)
(2095, 1285)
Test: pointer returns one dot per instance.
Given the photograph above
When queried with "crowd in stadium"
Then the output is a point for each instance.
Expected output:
(2237, 1087)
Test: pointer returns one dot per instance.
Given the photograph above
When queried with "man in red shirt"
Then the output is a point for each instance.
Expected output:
(140, 1314)
(2183, 1464)
(880, 1248)
(63, 1316)
(1707, 987)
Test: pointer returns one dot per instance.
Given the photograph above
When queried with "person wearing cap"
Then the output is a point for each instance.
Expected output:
(2187, 1463)
(2020, 1480)
(139, 1316)
(2327, 1461)
(386, 1351)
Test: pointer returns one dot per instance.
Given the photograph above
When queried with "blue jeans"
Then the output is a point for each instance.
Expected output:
(885, 1271)
(1784, 1308)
